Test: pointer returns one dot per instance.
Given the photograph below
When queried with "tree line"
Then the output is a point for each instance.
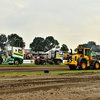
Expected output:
(91, 44)
(38, 43)
(41, 44)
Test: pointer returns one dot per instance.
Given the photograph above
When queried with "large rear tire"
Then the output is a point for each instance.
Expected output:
(83, 65)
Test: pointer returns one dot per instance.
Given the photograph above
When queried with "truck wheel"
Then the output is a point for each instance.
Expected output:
(16, 62)
(96, 65)
(83, 65)
(72, 67)
(1, 60)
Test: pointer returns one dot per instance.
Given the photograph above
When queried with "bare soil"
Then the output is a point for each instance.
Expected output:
(69, 86)
(32, 69)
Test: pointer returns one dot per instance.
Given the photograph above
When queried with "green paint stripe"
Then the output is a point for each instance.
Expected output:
(18, 54)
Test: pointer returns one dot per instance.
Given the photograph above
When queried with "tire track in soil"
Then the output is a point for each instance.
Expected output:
(32, 69)
(30, 85)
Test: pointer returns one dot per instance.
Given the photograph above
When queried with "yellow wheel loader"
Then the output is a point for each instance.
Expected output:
(82, 59)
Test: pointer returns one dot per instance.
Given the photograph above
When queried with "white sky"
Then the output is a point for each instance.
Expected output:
(71, 22)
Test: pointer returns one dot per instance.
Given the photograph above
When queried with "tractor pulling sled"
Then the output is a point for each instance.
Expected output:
(82, 59)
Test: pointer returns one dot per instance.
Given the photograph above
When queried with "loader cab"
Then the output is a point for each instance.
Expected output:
(84, 51)
(79, 51)
(87, 52)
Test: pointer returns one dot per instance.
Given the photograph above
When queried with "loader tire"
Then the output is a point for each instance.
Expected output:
(96, 65)
(1, 60)
(83, 65)
(72, 67)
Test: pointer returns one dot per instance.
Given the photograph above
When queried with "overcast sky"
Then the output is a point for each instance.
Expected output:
(71, 22)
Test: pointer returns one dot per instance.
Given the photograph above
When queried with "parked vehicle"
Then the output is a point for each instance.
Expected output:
(83, 59)
(54, 57)
(13, 55)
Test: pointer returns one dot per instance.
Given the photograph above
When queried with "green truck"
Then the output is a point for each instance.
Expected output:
(13, 55)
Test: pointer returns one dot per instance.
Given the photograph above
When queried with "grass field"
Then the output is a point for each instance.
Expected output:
(7, 65)
(50, 72)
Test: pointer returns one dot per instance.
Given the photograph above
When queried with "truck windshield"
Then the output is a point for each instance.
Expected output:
(20, 51)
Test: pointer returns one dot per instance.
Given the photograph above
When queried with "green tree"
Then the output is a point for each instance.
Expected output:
(37, 44)
(92, 43)
(57, 44)
(50, 43)
(64, 47)
(3, 40)
(15, 40)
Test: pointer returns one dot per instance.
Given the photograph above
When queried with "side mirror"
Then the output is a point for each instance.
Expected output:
(71, 51)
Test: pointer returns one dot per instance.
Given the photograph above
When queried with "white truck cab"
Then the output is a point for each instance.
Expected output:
(14, 55)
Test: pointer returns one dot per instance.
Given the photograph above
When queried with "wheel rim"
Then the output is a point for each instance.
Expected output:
(16, 62)
(97, 65)
(83, 65)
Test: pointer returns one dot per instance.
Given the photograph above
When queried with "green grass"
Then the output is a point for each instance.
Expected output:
(50, 72)
(7, 65)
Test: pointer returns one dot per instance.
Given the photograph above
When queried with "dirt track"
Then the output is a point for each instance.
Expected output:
(32, 69)
(79, 86)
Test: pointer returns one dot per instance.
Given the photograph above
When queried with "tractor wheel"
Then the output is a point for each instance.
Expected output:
(43, 62)
(96, 65)
(72, 67)
(16, 62)
(57, 62)
(83, 65)
(37, 62)
(1, 60)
